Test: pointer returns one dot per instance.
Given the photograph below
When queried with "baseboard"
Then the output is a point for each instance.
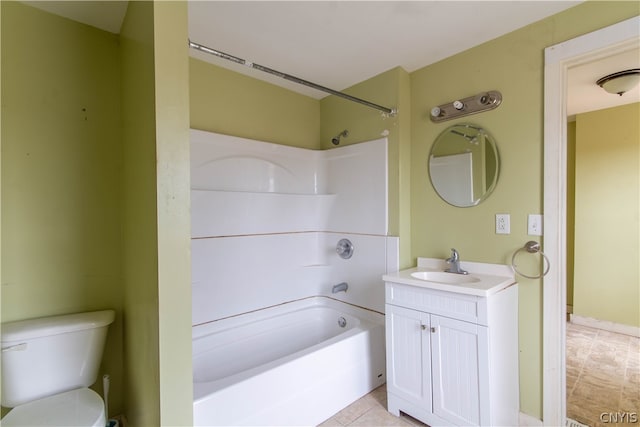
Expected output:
(606, 325)
(529, 421)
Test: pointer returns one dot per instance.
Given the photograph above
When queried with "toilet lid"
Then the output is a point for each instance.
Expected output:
(80, 407)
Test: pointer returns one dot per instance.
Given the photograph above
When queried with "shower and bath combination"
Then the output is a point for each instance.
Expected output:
(336, 139)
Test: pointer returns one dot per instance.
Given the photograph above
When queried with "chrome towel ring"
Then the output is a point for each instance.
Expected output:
(531, 247)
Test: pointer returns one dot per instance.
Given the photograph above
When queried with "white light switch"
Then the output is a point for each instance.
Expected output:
(534, 225)
(503, 223)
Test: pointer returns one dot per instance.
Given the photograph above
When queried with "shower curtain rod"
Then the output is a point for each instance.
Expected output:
(390, 111)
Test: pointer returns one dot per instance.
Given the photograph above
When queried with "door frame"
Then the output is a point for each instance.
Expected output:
(558, 59)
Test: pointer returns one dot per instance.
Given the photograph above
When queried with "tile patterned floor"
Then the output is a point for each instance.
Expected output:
(603, 377)
(370, 410)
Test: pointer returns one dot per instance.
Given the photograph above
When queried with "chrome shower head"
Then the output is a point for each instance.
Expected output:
(336, 139)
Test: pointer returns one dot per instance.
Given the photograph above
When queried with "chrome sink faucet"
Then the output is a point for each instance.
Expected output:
(454, 262)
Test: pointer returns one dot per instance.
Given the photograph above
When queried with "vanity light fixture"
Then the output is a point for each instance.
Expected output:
(620, 82)
(463, 107)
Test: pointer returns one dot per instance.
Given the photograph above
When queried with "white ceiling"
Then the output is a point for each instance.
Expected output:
(340, 43)
(106, 15)
(584, 95)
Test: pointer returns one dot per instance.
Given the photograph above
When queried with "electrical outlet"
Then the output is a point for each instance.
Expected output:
(534, 225)
(503, 223)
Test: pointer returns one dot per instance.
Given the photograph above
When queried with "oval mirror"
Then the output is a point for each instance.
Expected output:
(464, 164)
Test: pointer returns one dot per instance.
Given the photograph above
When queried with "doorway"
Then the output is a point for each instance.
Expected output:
(602, 341)
(558, 60)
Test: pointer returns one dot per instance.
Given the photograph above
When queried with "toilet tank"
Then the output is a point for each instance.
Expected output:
(49, 355)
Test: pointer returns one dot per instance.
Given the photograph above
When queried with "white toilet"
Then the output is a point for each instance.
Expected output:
(47, 366)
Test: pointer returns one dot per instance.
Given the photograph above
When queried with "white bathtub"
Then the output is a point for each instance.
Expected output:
(291, 364)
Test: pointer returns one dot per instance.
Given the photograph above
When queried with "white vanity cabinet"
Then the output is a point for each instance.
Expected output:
(452, 357)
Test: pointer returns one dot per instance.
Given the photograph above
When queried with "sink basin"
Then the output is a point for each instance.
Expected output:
(443, 277)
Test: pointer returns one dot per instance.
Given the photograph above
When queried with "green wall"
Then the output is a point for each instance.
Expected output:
(513, 64)
(61, 181)
(571, 208)
(95, 192)
(173, 176)
(607, 198)
(140, 227)
(229, 103)
(156, 226)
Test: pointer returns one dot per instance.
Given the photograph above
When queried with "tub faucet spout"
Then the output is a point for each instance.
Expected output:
(340, 287)
(454, 262)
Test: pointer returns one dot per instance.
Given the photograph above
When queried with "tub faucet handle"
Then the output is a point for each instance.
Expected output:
(340, 287)
(344, 248)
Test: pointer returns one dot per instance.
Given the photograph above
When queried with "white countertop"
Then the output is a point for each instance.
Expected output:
(489, 278)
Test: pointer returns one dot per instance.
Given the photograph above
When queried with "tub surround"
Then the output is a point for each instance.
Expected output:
(266, 219)
(343, 189)
(267, 270)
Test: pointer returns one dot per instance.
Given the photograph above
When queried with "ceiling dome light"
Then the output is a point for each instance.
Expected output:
(620, 82)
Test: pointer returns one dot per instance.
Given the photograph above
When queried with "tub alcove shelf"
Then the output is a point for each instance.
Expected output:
(251, 212)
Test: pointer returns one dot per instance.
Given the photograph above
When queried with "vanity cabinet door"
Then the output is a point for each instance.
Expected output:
(408, 355)
(460, 371)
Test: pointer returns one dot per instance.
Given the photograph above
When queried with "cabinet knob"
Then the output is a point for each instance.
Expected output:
(423, 327)
(433, 329)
